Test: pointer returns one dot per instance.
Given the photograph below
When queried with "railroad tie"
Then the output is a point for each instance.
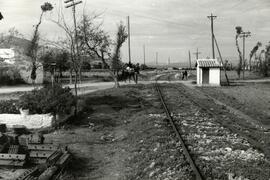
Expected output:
(13, 149)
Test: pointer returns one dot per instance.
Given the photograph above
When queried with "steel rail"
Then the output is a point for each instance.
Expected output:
(185, 150)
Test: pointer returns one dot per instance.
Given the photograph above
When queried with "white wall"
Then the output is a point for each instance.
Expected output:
(214, 76)
(7, 53)
(34, 121)
(199, 76)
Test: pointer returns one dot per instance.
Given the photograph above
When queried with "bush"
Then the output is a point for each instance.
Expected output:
(10, 76)
(48, 99)
(9, 107)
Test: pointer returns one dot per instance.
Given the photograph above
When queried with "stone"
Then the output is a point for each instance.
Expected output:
(152, 165)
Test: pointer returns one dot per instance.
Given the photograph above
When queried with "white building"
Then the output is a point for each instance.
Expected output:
(208, 72)
(7, 55)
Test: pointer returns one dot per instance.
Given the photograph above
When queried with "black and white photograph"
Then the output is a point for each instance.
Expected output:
(135, 89)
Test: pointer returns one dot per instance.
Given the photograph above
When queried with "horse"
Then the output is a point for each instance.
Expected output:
(129, 73)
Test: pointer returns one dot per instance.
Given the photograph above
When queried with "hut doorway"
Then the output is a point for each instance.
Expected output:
(205, 74)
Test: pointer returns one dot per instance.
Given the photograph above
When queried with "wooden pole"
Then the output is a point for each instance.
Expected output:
(212, 33)
(144, 54)
(189, 57)
(224, 68)
(129, 54)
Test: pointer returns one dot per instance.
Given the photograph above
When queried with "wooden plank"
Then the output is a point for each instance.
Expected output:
(63, 159)
(50, 147)
(48, 173)
(10, 162)
(54, 157)
(12, 156)
(27, 173)
(40, 154)
(2, 147)
(13, 149)
(38, 160)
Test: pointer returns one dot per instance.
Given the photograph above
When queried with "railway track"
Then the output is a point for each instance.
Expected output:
(177, 132)
(212, 150)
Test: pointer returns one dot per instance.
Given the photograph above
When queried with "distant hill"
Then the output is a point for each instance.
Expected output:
(23, 64)
(11, 42)
(173, 64)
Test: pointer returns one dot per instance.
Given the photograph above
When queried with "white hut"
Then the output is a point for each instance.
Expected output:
(208, 72)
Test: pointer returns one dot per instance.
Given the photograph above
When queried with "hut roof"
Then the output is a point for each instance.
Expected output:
(210, 63)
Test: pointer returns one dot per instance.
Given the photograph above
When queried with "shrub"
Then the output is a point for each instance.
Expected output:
(9, 107)
(48, 99)
(10, 77)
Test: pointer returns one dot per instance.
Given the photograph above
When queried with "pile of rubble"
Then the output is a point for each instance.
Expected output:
(29, 153)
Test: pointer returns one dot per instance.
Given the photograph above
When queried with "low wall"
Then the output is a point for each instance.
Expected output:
(34, 121)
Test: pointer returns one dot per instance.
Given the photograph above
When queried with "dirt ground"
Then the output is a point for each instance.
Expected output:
(251, 98)
(124, 134)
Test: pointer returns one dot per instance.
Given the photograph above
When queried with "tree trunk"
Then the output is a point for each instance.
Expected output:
(239, 68)
(61, 76)
(116, 83)
(76, 92)
(70, 77)
(80, 76)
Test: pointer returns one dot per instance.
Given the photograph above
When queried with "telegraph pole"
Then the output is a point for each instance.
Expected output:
(244, 35)
(76, 49)
(73, 4)
(224, 67)
(144, 54)
(212, 32)
(156, 58)
(129, 55)
(189, 58)
(197, 54)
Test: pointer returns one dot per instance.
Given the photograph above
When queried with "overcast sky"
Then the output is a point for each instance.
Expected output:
(169, 27)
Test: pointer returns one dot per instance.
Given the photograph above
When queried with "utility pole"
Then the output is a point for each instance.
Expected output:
(189, 58)
(156, 58)
(144, 54)
(76, 49)
(197, 54)
(224, 67)
(212, 32)
(129, 55)
(244, 35)
(73, 5)
(169, 60)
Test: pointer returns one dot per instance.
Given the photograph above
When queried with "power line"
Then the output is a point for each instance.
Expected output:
(120, 13)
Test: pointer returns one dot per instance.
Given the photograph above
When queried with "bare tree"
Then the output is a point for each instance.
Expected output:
(260, 60)
(7, 38)
(239, 67)
(252, 52)
(266, 60)
(34, 44)
(97, 43)
(69, 44)
(116, 57)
